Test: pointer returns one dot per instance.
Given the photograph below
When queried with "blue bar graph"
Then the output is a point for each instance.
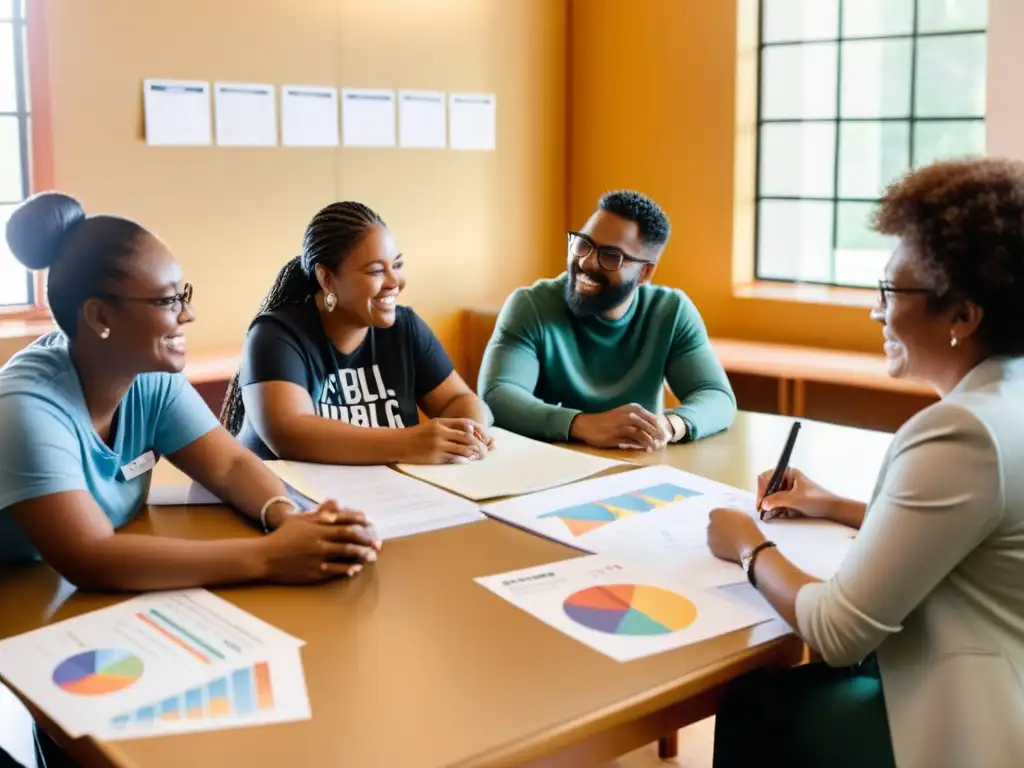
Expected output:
(242, 687)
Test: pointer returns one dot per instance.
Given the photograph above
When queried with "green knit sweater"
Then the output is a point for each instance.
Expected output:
(543, 365)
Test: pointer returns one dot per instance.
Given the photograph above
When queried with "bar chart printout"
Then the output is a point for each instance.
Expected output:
(261, 693)
(85, 670)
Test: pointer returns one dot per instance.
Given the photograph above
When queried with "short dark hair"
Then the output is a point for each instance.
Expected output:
(84, 254)
(332, 234)
(963, 220)
(653, 223)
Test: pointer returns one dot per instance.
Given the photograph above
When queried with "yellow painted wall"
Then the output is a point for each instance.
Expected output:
(653, 105)
(473, 225)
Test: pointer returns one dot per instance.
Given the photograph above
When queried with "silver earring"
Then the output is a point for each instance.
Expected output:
(330, 301)
(953, 341)
(105, 333)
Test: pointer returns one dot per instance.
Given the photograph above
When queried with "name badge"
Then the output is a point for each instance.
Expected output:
(140, 466)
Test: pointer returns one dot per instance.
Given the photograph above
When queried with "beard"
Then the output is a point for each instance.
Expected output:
(609, 297)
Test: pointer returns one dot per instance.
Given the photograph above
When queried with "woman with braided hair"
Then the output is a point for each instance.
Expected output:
(331, 352)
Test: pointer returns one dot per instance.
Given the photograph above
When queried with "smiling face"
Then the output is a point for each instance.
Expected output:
(368, 280)
(593, 287)
(917, 338)
(146, 321)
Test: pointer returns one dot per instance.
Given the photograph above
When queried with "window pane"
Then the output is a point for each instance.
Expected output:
(7, 9)
(794, 240)
(8, 97)
(861, 253)
(798, 81)
(800, 20)
(948, 15)
(24, 66)
(797, 159)
(950, 76)
(938, 140)
(876, 78)
(878, 17)
(871, 155)
(10, 161)
(13, 276)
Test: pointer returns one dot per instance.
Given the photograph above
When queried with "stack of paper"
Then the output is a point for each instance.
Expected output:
(517, 465)
(160, 663)
(397, 505)
(659, 516)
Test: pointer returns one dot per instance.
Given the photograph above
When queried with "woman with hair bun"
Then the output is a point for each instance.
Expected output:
(922, 627)
(86, 411)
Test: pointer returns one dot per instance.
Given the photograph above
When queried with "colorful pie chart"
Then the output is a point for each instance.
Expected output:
(95, 673)
(630, 609)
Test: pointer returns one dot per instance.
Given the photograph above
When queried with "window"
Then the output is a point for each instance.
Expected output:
(852, 94)
(17, 286)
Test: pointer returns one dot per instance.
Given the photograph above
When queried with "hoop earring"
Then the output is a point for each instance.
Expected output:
(105, 333)
(330, 301)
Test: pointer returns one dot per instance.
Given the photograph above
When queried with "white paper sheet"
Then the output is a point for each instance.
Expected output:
(246, 114)
(618, 608)
(177, 113)
(472, 119)
(180, 495)
(659, 516)
(397, 505)
(367, 117)
(422, 120)
(261, 693)
(309, 116)
(86, 670)
(517, 465)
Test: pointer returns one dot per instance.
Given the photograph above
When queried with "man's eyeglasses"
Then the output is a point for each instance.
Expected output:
(175, 303)
(609, 259)
(886, 288)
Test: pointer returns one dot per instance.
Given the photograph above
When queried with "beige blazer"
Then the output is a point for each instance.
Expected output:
(935, 579)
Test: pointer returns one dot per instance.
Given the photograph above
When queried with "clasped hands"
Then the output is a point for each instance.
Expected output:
(628, 428)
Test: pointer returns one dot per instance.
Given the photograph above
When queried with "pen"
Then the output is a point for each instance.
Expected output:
(780, 469)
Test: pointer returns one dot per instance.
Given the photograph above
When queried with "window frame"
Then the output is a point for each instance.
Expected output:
(911, 120)
(32, 107)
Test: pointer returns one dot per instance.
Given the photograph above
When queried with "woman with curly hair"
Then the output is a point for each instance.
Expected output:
(928, 607)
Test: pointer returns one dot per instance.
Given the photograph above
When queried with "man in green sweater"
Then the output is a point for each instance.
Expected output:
(585, 356)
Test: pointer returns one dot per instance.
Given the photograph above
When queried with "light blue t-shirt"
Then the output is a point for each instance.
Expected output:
(48, 444)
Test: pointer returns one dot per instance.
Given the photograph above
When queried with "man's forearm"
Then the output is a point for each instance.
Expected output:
(707, 411)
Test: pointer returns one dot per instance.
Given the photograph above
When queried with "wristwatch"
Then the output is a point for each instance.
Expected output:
(747, 560)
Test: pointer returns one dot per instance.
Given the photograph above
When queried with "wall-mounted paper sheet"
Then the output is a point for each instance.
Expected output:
(367, 117)
(246, 114)
(177, 113)
(309, 116)
(422, 120)
(472, 119)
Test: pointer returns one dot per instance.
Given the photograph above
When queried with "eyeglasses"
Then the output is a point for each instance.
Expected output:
(175, 303)
(886, 288)
(610, 259)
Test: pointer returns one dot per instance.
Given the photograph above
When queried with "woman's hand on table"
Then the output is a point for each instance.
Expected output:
(321, 544)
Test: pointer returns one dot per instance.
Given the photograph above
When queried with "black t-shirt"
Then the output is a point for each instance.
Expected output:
(378, 385)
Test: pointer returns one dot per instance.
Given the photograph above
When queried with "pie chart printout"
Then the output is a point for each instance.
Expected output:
(99, 672)
(630, 609)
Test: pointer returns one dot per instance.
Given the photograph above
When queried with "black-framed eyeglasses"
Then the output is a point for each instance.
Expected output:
(610, 259)
(174, 303)
(886, 288)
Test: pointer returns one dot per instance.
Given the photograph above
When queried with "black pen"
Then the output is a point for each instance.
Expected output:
(781, 467)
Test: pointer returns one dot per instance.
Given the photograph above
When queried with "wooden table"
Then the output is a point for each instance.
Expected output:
(413, 664)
